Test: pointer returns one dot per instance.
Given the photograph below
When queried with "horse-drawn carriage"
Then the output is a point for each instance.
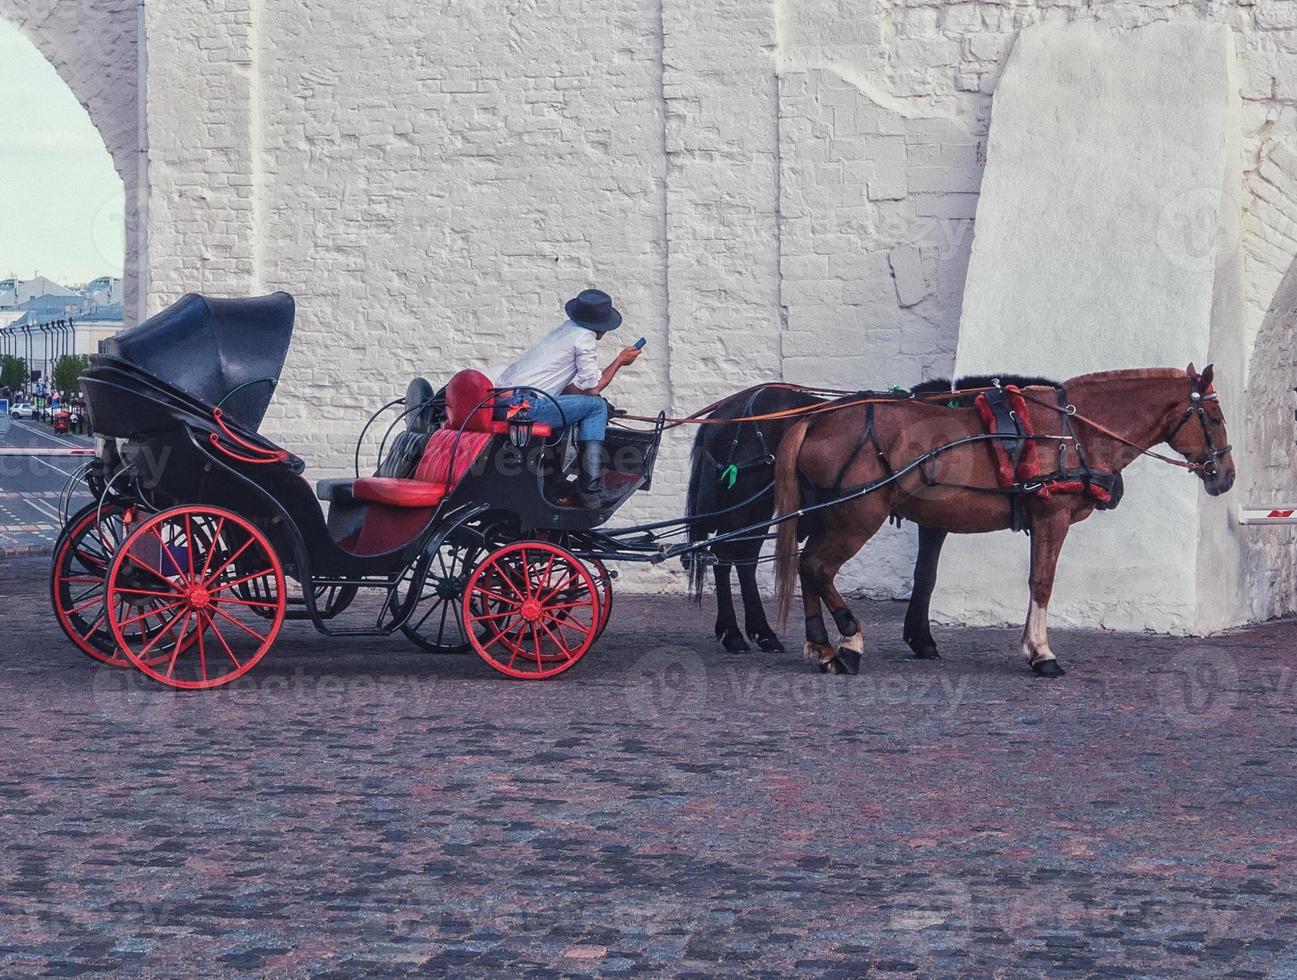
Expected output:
(204, 536)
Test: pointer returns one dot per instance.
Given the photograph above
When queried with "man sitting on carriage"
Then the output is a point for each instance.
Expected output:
(563, 365)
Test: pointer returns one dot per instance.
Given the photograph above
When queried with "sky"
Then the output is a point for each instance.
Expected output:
(61, 200)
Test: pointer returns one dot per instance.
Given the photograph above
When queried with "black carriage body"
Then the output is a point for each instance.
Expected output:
(181, 397)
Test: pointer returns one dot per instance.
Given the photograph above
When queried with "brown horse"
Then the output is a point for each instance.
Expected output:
(935, 466)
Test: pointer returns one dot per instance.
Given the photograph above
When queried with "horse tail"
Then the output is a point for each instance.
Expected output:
(788, 499)
(696, 510)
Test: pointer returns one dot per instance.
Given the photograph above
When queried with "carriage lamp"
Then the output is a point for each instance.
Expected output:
(520, 424)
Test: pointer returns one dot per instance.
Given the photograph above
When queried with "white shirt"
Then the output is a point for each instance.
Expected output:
(563, 356)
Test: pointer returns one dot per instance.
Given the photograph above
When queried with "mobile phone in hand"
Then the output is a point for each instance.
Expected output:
(639, 344)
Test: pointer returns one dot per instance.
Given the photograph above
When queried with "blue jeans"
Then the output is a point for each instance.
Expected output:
(588, 413)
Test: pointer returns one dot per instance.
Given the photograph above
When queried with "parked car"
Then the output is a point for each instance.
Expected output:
(23, 410)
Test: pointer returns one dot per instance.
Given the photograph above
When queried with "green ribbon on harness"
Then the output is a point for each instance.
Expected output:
(730, 473)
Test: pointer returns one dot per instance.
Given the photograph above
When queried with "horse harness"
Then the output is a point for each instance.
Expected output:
(1013, 442)
(1210, 464)
(730, 471)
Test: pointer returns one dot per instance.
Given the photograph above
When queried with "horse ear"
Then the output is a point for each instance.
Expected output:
(1191, 370)
(1206, 376)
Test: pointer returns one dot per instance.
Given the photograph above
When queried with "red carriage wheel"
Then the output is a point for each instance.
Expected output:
(605, 594)
(78, 587)
(194, 560)
(82, 555)
(531, 610)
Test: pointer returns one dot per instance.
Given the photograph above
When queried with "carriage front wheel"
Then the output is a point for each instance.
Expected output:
(531, 609)
(190, 565)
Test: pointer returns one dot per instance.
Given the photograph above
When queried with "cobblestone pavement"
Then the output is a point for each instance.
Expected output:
(360, 807)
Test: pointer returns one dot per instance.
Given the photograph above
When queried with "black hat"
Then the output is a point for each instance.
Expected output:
(593, 310)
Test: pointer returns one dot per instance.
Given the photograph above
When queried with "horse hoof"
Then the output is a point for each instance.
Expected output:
(1048, 668)
(925, 651)
(846, 661)
(769, 643)
(733, 642)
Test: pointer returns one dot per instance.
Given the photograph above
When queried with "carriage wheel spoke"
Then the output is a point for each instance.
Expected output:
(241, 581)
(84, 605)
(247, 602)
(165, 630)
(250, 632)
(498, 597)
(153, 612)
(498, 636)
(138, 561)
(202, 653)
(180, 644)
(94, 627)
(557, 642)
(211, 552)
(571, 578)
(217, 633)
(228, 562)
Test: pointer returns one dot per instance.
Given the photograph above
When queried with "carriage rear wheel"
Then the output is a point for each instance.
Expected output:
(194, 560)
(605, 594)
(532, 609)
(78, 584)
(82, 555)
(437, 622)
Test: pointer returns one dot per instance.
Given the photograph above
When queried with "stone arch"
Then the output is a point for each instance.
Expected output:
(95, 49)
(1268, 476)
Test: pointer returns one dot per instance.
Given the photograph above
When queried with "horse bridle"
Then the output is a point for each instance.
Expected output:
(1209, 464)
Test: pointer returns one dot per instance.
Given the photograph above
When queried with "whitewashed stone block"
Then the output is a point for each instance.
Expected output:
(1107, 237)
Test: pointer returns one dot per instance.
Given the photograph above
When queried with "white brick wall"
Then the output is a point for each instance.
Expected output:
(770, 190)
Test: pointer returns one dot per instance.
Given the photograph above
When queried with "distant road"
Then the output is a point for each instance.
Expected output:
(30, 487)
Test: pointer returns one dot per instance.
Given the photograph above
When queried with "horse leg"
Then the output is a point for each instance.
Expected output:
(727, 623)
(817, 650)
(1047, 537)
(821, 568)
(755, 623)
(918, 625)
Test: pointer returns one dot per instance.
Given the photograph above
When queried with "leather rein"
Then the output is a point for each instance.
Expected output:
(1208, 464)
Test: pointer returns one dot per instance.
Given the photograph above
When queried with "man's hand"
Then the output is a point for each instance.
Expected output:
(626, 356)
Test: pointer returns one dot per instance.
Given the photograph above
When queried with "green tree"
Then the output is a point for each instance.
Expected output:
(13, 372)
(67, 373)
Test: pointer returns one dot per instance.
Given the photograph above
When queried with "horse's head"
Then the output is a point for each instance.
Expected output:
(1198, 433)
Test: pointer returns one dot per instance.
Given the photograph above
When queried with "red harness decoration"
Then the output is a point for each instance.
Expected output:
(1028, 470)
(1027, 478)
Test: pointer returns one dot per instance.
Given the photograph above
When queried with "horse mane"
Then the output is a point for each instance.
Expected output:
(981, 381)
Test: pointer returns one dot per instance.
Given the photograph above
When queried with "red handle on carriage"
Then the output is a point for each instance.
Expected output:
(262, 455)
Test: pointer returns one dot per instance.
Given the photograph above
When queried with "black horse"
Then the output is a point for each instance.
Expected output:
(731, 480)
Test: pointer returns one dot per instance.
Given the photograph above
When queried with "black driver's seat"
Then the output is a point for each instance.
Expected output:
(423, 410)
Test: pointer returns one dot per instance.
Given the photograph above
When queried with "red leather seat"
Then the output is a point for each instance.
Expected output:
(449, 453)
(398, 492)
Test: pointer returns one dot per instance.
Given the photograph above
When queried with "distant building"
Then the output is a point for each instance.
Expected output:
(44, 293)
(41, 321)
(104, 291)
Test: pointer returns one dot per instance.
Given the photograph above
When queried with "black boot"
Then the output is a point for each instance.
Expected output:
(593, 492)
